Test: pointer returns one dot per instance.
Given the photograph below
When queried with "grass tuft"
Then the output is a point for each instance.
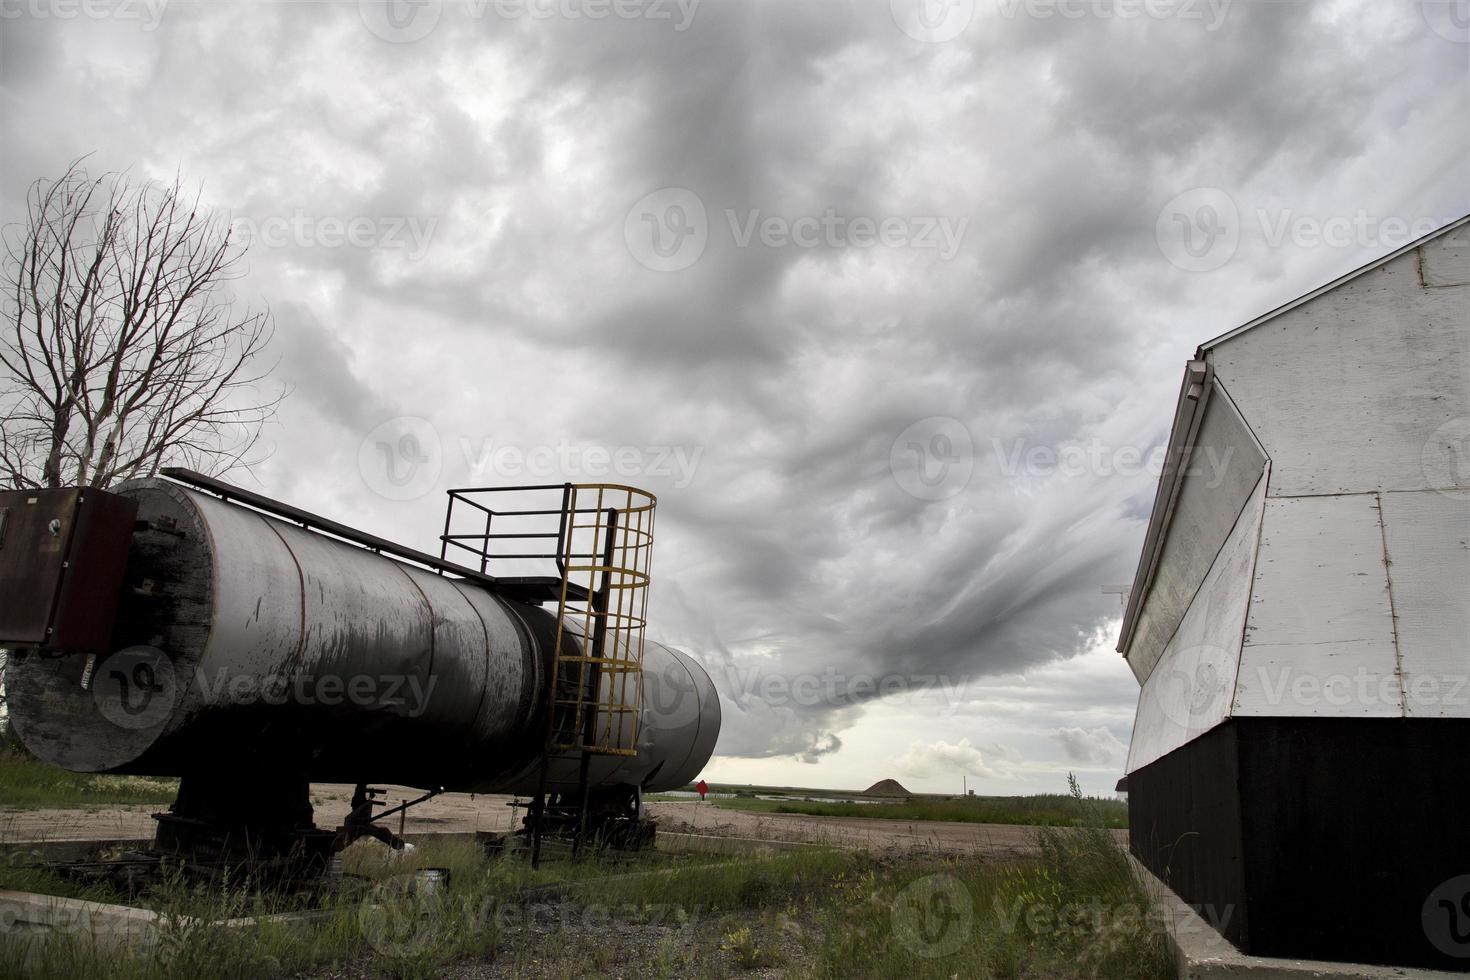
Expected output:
(28, 784)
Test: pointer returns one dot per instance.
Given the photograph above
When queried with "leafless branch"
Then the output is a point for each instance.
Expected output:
(121, 349)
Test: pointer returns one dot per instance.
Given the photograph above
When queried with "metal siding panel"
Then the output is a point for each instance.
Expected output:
(1352, 391)
(256, 620)
(1223, 471)
(363, 615)
(1319, 638)
(1188, 693)
(461, 655)
(512, 689)
(1428, 540)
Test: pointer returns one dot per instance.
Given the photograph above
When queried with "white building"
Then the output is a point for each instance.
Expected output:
(1300, 622)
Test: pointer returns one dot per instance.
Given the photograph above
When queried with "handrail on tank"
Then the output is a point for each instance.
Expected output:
(479, 543)
(524, 588)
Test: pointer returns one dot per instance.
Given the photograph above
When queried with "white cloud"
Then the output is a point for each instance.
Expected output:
(1094, 746)
(928, 759)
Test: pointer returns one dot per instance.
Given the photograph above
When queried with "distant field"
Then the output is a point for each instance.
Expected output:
(1048, 810)
(28, 784)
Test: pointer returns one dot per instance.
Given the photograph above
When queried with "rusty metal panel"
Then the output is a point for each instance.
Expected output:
(63, 554)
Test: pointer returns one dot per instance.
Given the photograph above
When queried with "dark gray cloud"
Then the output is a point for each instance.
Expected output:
(317, 364)
(490, 168)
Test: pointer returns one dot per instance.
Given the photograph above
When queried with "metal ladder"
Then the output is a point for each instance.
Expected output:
(603, 556)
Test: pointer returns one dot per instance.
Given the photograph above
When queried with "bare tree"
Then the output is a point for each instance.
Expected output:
(121, 346)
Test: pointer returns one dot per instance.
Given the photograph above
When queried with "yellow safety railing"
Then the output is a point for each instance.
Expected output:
(607, 536)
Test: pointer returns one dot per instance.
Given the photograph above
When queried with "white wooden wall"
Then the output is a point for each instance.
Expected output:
(1347, 392)
(1321, 624)
(1342, 587)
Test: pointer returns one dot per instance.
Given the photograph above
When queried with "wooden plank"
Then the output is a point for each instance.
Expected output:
(1319, 638)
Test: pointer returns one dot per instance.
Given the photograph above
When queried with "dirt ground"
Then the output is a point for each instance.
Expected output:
(997, 840)
(459, 812)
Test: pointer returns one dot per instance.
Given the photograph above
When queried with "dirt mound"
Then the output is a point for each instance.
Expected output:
(886, 787)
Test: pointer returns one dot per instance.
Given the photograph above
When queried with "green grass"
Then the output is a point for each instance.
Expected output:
(1076, 912)
(27, 783)
(1072, 912)
(1031, 811)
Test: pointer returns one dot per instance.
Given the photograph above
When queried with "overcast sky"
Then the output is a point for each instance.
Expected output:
(889, 303)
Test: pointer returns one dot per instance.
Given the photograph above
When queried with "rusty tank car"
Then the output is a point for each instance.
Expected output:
(181, 626)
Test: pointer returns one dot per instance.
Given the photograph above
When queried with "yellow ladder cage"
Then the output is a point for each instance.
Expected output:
(596, 685)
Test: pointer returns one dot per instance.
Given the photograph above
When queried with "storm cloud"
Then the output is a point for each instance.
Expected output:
(905, 296)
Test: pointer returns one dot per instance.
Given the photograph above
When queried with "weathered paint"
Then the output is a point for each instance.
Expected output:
(439, 683)
(1190, 690)
(1220, 472)
(1319, 637)
(1427, 552)
(1317, 808)
(1359, 586)
(1347, 392)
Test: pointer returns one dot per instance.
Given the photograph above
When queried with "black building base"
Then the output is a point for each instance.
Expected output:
(1318, 838)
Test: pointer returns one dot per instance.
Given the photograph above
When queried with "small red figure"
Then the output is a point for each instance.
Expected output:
(703, 788)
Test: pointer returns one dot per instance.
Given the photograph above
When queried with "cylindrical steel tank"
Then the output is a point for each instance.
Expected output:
(257, 643)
